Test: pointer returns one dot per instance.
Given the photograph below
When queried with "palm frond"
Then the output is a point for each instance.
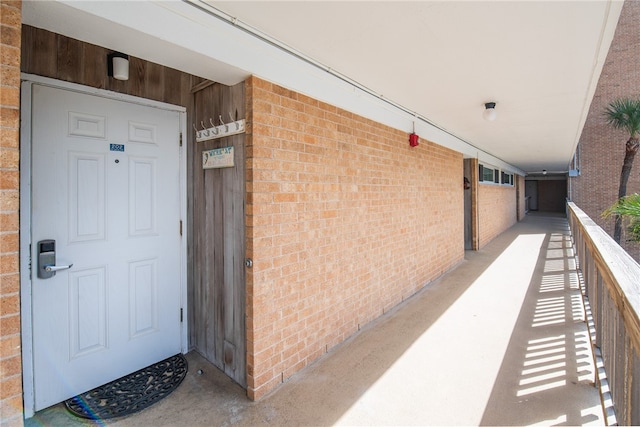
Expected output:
(624, 114)
(629, 208)
(634, 230)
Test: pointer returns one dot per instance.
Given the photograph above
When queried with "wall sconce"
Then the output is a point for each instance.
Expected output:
(490, 113)
(118, 66)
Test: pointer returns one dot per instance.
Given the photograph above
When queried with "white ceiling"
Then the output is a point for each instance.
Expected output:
(539, 60)
(444, 59)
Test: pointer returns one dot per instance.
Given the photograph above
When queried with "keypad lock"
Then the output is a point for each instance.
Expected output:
(47, 259)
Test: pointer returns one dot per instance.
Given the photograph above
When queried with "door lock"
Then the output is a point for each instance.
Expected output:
(47, 259)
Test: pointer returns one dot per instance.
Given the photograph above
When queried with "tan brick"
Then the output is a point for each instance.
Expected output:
(9, 283)
(9, 223)
(9, 138)
(10, 345)
(11, 14)
(10, 117)
(9, 179)
(10, 55)
(10, 366)
(10, 97)
(284, 197)
(10, 387)
(9, 305)
(9, 76)
(9, 325)
(9, 201)
(10, 36)
(9, 159)
(11, 408)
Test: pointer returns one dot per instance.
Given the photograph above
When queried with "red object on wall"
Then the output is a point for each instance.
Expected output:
(413, 140)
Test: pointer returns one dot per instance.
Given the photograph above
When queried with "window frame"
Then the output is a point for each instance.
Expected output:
(498, 176)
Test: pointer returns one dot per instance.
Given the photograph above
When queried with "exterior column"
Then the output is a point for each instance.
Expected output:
(11, 408)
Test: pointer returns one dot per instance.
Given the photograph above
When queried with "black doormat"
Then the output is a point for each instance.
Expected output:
(131, 393)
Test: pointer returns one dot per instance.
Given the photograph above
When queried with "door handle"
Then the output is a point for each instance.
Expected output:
(57, 267)
(47, 259)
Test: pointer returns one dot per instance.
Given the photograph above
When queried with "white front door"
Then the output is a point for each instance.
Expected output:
(106, 187)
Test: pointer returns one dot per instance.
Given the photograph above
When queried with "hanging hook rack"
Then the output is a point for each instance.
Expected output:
(221, 130)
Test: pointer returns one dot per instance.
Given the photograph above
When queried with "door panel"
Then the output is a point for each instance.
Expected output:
(143, 298)
(86, 197)
(87, 311)
(142, 197)
(105, 186)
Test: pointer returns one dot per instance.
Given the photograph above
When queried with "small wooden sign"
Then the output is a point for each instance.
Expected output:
(218, 158)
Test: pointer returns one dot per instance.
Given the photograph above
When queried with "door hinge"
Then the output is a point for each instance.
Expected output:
(181, 314)
(180, 139)
(181, 227)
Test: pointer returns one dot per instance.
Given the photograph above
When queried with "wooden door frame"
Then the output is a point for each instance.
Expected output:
(474, 190)
(27, 82)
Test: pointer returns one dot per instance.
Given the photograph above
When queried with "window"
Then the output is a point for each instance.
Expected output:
(488, 174)
(507, 178)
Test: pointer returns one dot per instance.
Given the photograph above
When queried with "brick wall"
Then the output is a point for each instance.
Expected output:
(344, 221)
(601, 148)
(496, 210)
(10, 355)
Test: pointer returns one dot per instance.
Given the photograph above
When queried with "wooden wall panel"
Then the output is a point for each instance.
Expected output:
(96, 75)
(53, 55)
(218, 276)
(38, 52)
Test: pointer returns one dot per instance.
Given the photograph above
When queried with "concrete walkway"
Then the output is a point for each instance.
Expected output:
(500, 340)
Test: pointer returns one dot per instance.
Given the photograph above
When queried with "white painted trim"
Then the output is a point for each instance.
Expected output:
(28, 80)
(184, 237)
(25, 253)
(87, 90)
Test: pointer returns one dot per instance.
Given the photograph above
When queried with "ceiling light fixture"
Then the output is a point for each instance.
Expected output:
(490, 113)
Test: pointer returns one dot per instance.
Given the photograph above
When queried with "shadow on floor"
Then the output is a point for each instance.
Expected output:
(548, 367)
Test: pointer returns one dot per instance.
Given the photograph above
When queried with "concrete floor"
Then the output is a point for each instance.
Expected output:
(500, 340)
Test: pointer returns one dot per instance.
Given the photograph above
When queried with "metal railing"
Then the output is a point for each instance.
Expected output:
(612, 286)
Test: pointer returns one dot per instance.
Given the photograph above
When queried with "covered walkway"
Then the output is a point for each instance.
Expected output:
(500, 340)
